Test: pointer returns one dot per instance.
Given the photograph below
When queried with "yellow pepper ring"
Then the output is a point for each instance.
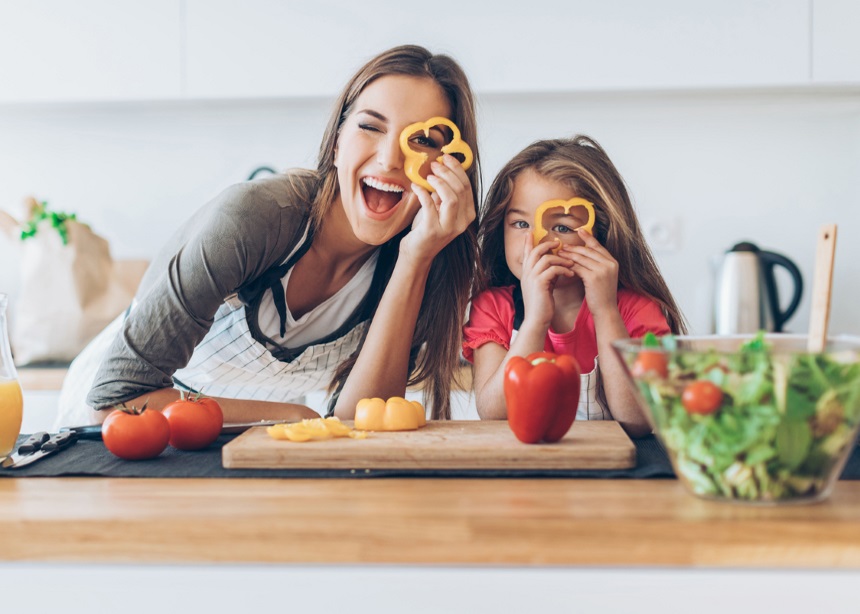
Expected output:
(540, 232)
(416, 159)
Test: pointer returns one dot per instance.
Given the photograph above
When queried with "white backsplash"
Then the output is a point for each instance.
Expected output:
(705, 169)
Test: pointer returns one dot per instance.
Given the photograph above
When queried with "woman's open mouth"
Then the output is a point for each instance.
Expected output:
(381, 198)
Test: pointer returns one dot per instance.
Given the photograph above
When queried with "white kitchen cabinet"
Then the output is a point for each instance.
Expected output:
(836, 44)
(89, 50)
(253, 48)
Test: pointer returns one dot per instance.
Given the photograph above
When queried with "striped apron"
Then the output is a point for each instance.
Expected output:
(590, 406)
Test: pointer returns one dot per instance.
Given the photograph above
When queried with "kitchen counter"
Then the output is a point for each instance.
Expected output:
(522, 523)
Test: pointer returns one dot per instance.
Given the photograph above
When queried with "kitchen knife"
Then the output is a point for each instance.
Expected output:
(55, 443)
(90, 431)
(32, 443)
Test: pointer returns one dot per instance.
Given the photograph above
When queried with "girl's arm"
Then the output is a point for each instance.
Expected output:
(235, 410)
(382, 366)
(540, 270)
(599, 273)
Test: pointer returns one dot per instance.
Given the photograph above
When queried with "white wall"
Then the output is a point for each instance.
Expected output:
(712, 167)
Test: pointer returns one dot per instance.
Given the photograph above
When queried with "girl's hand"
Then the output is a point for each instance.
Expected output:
(598, 271)
(541, 270)
(444, 214)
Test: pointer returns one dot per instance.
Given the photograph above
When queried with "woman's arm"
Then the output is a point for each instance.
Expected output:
(235, 410)
(382, 366)
(233, 239)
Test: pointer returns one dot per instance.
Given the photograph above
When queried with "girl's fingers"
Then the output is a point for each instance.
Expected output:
(556, 271)
(533, 253)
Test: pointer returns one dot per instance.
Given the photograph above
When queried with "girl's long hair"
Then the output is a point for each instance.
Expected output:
(583, 165)
(438, 331)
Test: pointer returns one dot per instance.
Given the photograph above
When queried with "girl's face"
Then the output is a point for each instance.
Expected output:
(531, 190)
(375, 193)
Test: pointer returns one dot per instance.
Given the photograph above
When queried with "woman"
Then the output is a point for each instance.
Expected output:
(349, 276)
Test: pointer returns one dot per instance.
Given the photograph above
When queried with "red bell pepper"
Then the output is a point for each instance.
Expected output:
(542, 394)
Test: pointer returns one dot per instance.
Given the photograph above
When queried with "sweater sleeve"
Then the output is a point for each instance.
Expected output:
(229, 242)
(491, 320)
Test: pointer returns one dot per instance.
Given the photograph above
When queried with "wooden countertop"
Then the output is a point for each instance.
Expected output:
(418, 521)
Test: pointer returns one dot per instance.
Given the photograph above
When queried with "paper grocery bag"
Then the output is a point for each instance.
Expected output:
(69, 292)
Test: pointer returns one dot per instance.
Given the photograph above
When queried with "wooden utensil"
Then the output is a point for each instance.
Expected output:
(443, 444)
(822, 285)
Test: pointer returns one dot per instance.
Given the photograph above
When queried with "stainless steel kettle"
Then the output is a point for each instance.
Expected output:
(747, 299)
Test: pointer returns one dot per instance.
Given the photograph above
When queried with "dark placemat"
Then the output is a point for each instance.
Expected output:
(91, 459)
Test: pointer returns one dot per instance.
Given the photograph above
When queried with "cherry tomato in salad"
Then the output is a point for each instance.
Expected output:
(195, 422)
(701, 397)
(650, 362)
(135, 434)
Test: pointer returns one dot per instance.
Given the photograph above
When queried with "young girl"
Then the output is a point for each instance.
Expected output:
(349, 275)
(576, 291)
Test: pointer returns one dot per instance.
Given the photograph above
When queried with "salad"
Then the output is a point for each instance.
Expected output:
(754, 424)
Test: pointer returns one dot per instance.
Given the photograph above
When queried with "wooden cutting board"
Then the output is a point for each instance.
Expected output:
(467, 444)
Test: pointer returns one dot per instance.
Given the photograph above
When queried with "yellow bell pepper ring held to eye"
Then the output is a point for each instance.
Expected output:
(395, 414)
(416, 159)
(540, 232)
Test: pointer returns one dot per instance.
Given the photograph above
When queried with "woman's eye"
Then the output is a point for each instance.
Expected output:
(425, 141)
(368, 128)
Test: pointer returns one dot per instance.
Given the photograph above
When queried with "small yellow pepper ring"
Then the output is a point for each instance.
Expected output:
(416, 159)
(540, 232)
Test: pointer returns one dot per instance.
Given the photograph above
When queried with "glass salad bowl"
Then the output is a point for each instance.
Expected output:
(750, 418)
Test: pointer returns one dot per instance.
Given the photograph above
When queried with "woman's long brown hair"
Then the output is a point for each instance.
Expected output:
(583, 165)
(438, 331)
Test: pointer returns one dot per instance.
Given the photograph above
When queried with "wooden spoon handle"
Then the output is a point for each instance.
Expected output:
(822, 285)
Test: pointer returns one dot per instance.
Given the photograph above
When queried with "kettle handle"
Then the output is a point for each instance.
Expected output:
(769, 260)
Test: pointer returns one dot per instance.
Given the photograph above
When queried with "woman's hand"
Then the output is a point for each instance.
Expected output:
(444, 214)
(541, 270)
(598, 271)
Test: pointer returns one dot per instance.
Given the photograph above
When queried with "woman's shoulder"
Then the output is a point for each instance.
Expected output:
(286, 194)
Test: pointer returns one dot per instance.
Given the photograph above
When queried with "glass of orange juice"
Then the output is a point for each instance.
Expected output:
(11, 399)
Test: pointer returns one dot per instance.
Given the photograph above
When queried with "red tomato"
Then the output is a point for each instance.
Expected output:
(195, 422)
(702, 397)
(650, 362)
(135, 434)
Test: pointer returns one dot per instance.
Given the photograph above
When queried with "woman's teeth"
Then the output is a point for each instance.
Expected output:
(381, 185)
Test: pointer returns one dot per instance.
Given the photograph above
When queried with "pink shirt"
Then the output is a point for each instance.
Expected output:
(491, 319)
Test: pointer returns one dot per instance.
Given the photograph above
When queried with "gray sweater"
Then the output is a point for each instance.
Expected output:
(227, 244)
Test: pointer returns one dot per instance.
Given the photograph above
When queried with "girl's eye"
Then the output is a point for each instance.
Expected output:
(562, 229)
(520, 224)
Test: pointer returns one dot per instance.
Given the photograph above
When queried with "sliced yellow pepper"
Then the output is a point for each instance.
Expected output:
(316, 429)
(416, 159)
(540, 232)
(396, 414)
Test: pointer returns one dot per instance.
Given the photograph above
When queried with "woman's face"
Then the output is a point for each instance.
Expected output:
(531, 190)
(375, 193)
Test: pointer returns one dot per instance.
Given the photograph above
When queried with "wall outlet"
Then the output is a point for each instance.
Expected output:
(663, 234)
